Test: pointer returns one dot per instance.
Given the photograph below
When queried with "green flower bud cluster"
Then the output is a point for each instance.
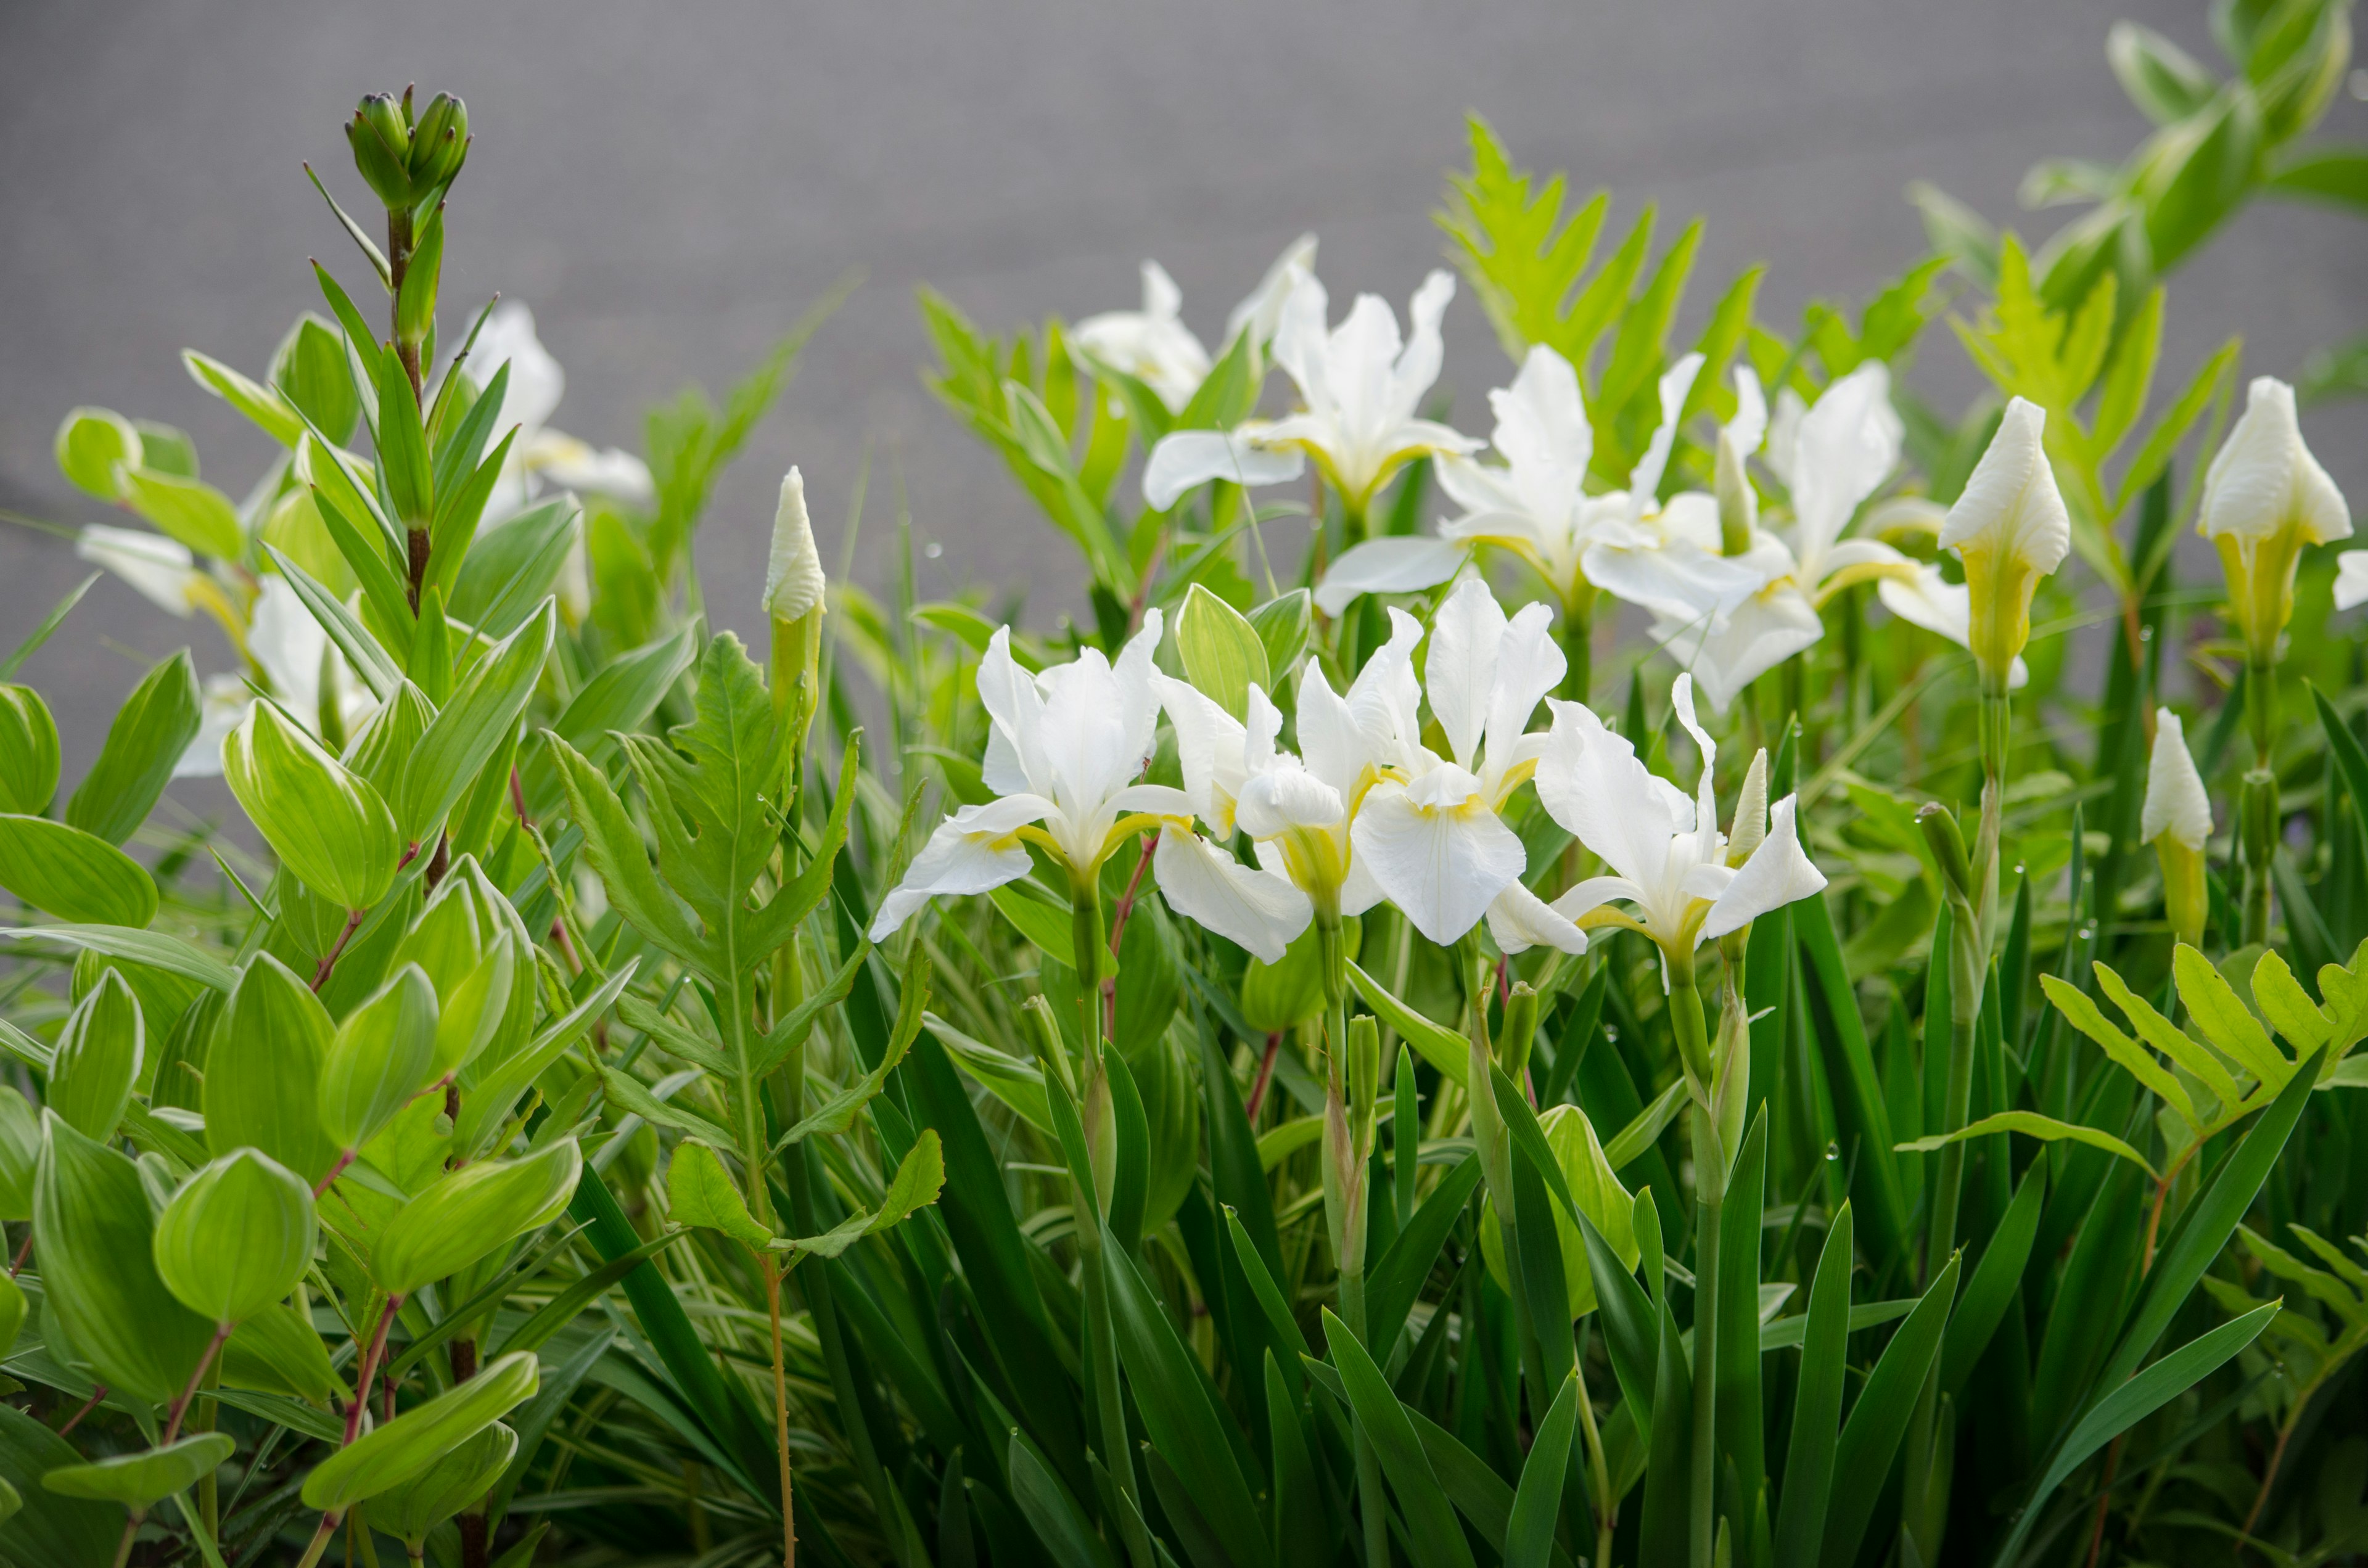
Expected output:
(408, 159)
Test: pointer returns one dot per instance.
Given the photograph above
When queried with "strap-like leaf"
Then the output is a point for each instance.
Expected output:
(2033, 1124)
(1434, 1540)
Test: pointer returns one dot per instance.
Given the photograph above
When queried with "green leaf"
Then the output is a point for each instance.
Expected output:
(1282, 625)
(2225, 1019)
(263, 1073)
(94, 446)
(453, 1482)
(1270, 1295)
(480, 717)
(402, 448)
(614, 846)
(278, 1351)
(310, 372)
(469, 1213)
(1859, 1111)
(1434, 1538)
(73, 875)
(1818, 1405)
(353, 640)
(326, 824)
(378, 1059)
(413, 1442)
(2161, 79)
(1179, 1411)
(98, 1058)
(99, 1281)
(2032, 1124)
(2170, 1039)
(1529, 1536)
(2126, 1053)
(1995, 1280)
(236, 1237)
(1049, 1509)
(146, 740)
(699, 1191)
(1645, 1129)
(1223, 654)
(1441, 1047)
(2163, 439)
(264, 407)
(1871, 1437)
(509, 569)
(2134, 1401)
(915, 1186)
(2338, 176)
(1630, 1331)
(140, 1481)
(189, 510)
(1394, 1283)
(835, 1115)
(29, 752)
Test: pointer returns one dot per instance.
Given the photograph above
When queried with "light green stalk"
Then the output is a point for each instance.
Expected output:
(1710, 1197)
(2256, 798)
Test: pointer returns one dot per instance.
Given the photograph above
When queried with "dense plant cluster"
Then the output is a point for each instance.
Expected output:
(1734, 972)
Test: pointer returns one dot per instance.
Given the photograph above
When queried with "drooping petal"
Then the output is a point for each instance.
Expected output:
(1681, 698)
(1748, 428)
(2176, 803)
(1399, 565)
(1679, 580)
(1255, 910)
(1152, 344)
(1779, 872)
(1417, 367)
(1847, 445)
(1519, 920)
(972, 851)
(161, 568)
(2265, 478)
(1461, 672)
(1440, 865)
(1188, 457)
(1760, 634)
(536, 383)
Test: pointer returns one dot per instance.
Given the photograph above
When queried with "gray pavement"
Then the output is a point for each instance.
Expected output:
(670, 185)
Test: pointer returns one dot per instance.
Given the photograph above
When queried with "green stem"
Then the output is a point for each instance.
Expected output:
(2256, 809)
(1579, 642)
(1709, 1207)
(1598, 1470)
(320, 1542)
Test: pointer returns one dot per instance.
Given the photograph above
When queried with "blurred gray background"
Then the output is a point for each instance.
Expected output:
(670, 185)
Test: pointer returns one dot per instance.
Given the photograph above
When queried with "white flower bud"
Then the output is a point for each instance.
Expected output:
(2010, 529)
(2175, 801)
(794, 578)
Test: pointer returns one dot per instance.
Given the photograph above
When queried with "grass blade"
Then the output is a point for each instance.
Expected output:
(1871, 1437)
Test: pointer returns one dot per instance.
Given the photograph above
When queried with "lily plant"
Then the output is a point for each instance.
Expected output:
(1360, 386)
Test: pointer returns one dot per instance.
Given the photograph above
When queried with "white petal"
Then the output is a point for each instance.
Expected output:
(1190, 458)
(223, 710)
(1744, 432)
(2265, 477)
(1784, 434)
(1529, 666)
(971, 852)
(536, 382)
(2011, 504)
(1255, 910)
(1847, 444)
(1942, 607)
(1519, 920)
(1417, 367)
(571, 465)
(1778, 873)
(1284, 797)
(1591, 782)
(793, 579)
(1261, 310)
(2175, 799)
(1761, 633)
(1441, 868)
(1209, 747)
(1677, 582)
(1382, 703)
(288, 642)
(1459, 673)
(1302, 345)
(1402, 565)
(161, 568)
(1542, 418)
(1016, 763)
(1645, 479)
(2351, 579)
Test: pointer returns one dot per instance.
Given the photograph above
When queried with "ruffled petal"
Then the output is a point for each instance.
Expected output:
(1441, 868)
(1188, 457)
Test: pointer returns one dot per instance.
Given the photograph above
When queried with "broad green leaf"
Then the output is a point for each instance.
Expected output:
(98, 1279)
(700, 1192)
(2161, 79)
(2288, 1006)
(453, 1482)
(2126, 1053)
(236, 1237)
(2170, 1039)
(2032, 1124)
(510, 568)
(189, 510)
(20, 1153)
(402, 448)
(361, 650)
(264, 407)
(139, 1481)
(1441, 1047)
(263, 1075)
(73, 875)
(378, 1059)
(413, 1442)
(1282, 625)
(94, 446)
(635, 1096)
(471, 1212)
(45, 1528)
(1223, 654)
(278, 1351)
(2225, 1021)
(1269, 1296)
(153, 948)
(99, 1059)
(308, 371)
(326, 824)
(145, 741)
(29, 751)
(1050, 1511)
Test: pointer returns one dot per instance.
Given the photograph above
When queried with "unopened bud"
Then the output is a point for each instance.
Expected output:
(381, 147)
(794, 590)
(1948, 847)
(439, 143)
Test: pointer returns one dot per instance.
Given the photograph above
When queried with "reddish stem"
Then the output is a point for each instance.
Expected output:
(1118, 930)
(17, 1263)
(345, 1158)
(181, 1405)
(87, 1407)
(517, 800)
(370, 1355)
(329, 959)
(1265, 1073)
